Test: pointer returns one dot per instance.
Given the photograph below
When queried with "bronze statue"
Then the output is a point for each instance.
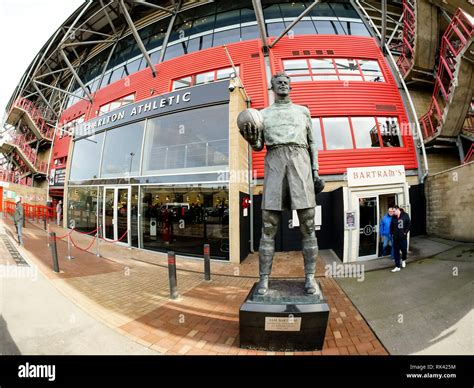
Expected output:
(291, 177)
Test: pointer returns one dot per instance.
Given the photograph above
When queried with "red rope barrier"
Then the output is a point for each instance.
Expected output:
(86, 234)
(115, 241)
(82, 249)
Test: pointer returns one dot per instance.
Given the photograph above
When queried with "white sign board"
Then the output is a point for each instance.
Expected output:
(371, 176)
(318, 220)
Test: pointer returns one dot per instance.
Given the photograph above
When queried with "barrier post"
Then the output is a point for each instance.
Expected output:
(172, 275)
(207, 262)
(54, 252)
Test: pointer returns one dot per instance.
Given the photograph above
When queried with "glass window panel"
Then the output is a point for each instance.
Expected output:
(249, 32)
(371, 70)
(86, 158)
(304, 27)
(293, 9)
(182, 83)
(357, 29)
(325, 27)
(204, 129)
(271, 11)
(122, 151)
(275, 29)
(247, 15)
(365, 132)
(338, 133)
(317, 133)
(301, 78)
(322, 9)
(344, 10)
(322, 66)
(296, 66)
(175, 51)
(203, 24)
(322, 77)
(227, 73)
(229, 18)
(200, 43)
(183, 218)
(225, 37)
(205, 78)
(347, 66)
(82, 208)
(339, 28)
(390, 131)
(154, 57)
(350, 78)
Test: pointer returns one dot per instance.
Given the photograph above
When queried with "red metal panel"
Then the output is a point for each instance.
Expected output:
(336, 98)
(324, 99)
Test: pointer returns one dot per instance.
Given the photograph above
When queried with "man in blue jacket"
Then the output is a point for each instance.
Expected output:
(385, 231)
(399, 228)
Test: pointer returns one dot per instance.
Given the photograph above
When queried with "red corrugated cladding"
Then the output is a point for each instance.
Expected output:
(324, 98)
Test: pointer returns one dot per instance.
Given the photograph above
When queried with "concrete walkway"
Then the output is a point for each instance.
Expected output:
(37, 319)
(427, 308)
(132, 297)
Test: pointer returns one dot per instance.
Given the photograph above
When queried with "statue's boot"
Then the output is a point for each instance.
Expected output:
(310, 254)
(266, 251)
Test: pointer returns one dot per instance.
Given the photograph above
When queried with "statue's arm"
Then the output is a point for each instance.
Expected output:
(313, 148)
(259, 143)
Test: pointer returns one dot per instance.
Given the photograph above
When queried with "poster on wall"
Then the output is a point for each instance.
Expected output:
(57, 177)
(349, 218)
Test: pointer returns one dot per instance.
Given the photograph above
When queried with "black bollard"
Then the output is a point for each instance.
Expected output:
(207, 262)
(54, 251)
(172, 275)
(44, 222)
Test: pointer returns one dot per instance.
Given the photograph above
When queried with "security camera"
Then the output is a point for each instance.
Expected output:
(231, 87)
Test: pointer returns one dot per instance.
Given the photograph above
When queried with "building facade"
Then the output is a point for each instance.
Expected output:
(150, 156)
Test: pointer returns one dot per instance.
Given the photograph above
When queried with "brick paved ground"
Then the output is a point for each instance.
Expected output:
(128, 290)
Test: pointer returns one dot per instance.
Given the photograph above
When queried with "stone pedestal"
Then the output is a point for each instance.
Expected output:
(284, 319)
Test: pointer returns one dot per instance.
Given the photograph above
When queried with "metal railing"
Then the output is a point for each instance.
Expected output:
(20, 141)
(456, 37)
(406, 59)
(36, 116)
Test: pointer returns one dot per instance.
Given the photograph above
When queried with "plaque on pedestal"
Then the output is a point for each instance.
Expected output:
(284, 319)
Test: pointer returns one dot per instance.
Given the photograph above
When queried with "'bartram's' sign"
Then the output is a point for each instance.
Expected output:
(370, 176)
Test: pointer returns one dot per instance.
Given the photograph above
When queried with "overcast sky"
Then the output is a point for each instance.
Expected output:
(25, 26)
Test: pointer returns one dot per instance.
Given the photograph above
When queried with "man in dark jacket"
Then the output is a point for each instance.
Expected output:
(18, 219)
(399, 229)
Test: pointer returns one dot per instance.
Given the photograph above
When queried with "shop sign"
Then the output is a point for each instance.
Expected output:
(372, 176)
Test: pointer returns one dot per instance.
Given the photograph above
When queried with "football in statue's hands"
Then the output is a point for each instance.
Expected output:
(252, 116)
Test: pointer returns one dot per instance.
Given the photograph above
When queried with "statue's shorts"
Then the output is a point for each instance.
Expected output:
(288, 180)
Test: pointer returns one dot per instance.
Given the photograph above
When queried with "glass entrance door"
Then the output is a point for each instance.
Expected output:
(116, 214)
(368, 228)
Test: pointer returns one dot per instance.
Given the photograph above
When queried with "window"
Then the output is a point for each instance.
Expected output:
(109, 107)
(193, 140)
(328, 69)
(365, 130)
(183, 218)
(122, 151)
(204, 78)
(317, 133)
(338, 133)
(82, 208)
(390, 131)
(86, 158)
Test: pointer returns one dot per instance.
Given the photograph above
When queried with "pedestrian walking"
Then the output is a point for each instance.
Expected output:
(385, 233)
(18, 217)
(59, 210)
(399, 228)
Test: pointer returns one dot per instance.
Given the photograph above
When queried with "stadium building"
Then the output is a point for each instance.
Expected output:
(128, 114)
